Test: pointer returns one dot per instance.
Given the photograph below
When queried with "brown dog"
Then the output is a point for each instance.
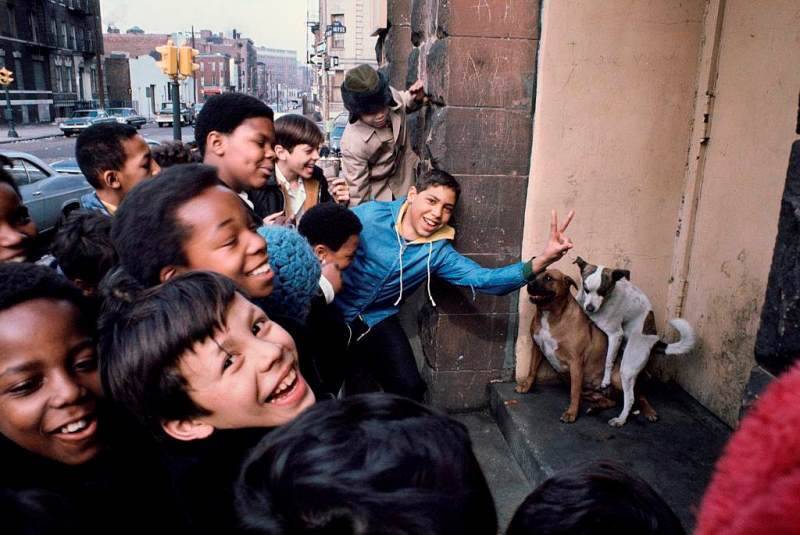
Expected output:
(571, 343)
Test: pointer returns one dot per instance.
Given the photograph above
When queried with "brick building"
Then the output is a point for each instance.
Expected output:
(281, 66)
(214, 76)
(53, 49)
(240, 50)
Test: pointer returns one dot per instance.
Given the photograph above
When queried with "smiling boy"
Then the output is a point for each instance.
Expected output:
(186, 219)
(18, 231)
(114, 158)
(403, 244)
(235, 133)
(207, 370)
(297, 184)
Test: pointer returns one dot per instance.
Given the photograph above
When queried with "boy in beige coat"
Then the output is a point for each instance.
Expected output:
(377, 159)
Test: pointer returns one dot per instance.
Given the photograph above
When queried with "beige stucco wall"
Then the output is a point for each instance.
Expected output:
(615, 96)
(753, 121)
(614, 140)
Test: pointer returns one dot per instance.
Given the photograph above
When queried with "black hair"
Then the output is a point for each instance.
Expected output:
(83, 247)
(224, 113)
(146, 232)
(437, 177)
(143, 333)
(169, 153)
(597, 497)
(372, 463)
(329, 224)
(37, 512)
(99, 149)
(21, 282)
(5, 176)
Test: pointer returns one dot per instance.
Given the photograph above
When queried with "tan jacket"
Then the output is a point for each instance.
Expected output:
(378, 164)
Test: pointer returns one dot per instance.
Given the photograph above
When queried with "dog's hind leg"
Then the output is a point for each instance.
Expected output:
(614, 341)
(628, 380)
(647, 410)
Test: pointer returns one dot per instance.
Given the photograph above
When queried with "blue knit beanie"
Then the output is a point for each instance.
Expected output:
(297, 271)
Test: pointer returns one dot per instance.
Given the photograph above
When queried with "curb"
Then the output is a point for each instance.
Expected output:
(19, 139)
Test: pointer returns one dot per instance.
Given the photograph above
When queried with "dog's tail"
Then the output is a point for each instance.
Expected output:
(686, 342)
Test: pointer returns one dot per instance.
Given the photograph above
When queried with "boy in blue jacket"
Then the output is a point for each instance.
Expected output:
(403, 243)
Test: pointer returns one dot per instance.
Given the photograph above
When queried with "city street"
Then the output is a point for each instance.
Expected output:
(58, 147)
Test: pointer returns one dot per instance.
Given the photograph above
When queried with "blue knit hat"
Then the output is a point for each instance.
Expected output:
(297, 271)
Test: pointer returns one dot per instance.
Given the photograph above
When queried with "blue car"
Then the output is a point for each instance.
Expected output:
(83, 119)
(47, 194)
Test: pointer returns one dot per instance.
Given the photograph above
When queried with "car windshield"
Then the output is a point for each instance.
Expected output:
(119, 112)
(84, 113)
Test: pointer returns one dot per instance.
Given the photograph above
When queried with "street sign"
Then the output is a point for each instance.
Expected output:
(316, 60)
(335, 61)
(322, 47)
(336, 27)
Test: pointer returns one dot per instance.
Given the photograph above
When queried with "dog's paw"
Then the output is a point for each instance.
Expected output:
(651, 417)
(569, 416)
(616, 422)
(523, 387)
(605, 383)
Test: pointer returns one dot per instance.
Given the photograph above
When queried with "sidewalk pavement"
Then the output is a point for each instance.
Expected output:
(28, 132)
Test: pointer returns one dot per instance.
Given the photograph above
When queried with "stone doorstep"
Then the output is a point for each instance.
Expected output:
(676, 455)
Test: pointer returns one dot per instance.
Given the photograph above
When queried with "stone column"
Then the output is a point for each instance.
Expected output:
(477, 59)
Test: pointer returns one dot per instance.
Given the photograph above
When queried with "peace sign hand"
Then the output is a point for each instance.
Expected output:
(557, 244)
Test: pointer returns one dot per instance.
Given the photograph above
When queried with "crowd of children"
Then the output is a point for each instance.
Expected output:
(187, 357)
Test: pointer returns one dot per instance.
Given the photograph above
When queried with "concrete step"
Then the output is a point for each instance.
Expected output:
(506, 480)
(675, 455)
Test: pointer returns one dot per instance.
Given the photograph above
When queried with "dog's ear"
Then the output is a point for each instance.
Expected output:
(570, 281)
(581, 263)
(618, 274)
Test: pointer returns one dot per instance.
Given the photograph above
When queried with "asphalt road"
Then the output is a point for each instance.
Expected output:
(60, 147)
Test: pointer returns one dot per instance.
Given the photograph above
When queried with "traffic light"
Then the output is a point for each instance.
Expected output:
(186, 64)
(169, 58)
(6, 76)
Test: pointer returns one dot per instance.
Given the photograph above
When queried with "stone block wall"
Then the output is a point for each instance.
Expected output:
(478, 61)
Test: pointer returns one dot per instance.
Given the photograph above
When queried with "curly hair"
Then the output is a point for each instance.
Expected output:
(175, 152)
(329, 224)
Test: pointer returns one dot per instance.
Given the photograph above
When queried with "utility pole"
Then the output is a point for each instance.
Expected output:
(178, 64)
(323, 27)
(194, 76)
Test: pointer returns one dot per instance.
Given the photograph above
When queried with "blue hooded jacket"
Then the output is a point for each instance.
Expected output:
(387, 267)
(90, 201)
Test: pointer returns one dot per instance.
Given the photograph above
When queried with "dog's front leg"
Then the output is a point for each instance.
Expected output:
(575, 389)
(614, 341)
(526, 383)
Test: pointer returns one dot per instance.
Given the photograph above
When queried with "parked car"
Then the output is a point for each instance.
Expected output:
(127, 116)
(337, 131)
(83, 119)
(164, 115)
(47, 194)
(67, 166)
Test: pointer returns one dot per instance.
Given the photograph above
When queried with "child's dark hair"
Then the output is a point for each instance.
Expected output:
(146, 232)
(83, 247)
(329, 224)
(21, 282)
(99, 148)
(293, 129)
(169, 153)
(597, 497)
(144, 333)
(373, 463)
(37, 512)
(224, 113)
(437, 177)
(5, 176)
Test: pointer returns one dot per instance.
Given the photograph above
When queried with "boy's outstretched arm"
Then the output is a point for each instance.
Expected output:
(557, 244)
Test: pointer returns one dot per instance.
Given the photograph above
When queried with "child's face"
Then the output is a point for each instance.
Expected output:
(247, 375)
(222, 239)
(342, 257)
(430, 209)
(139, 164)
(17, 229)
(299, 161)
(377, 119)
(249, 155)
(48, 381)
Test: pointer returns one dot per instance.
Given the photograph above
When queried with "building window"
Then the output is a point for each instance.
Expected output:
(38, 75)
(64, 34)
(89, 40)
(93, 72)
(34, 29)
(59, 80)
(19, 82)
(68, 76)
(72, 42)
(53, 32)
(80, 44)
(338, 38)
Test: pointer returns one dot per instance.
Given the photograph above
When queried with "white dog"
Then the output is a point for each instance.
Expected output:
(620, 309)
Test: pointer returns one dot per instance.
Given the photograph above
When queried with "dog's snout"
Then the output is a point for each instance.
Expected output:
(590, 308)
